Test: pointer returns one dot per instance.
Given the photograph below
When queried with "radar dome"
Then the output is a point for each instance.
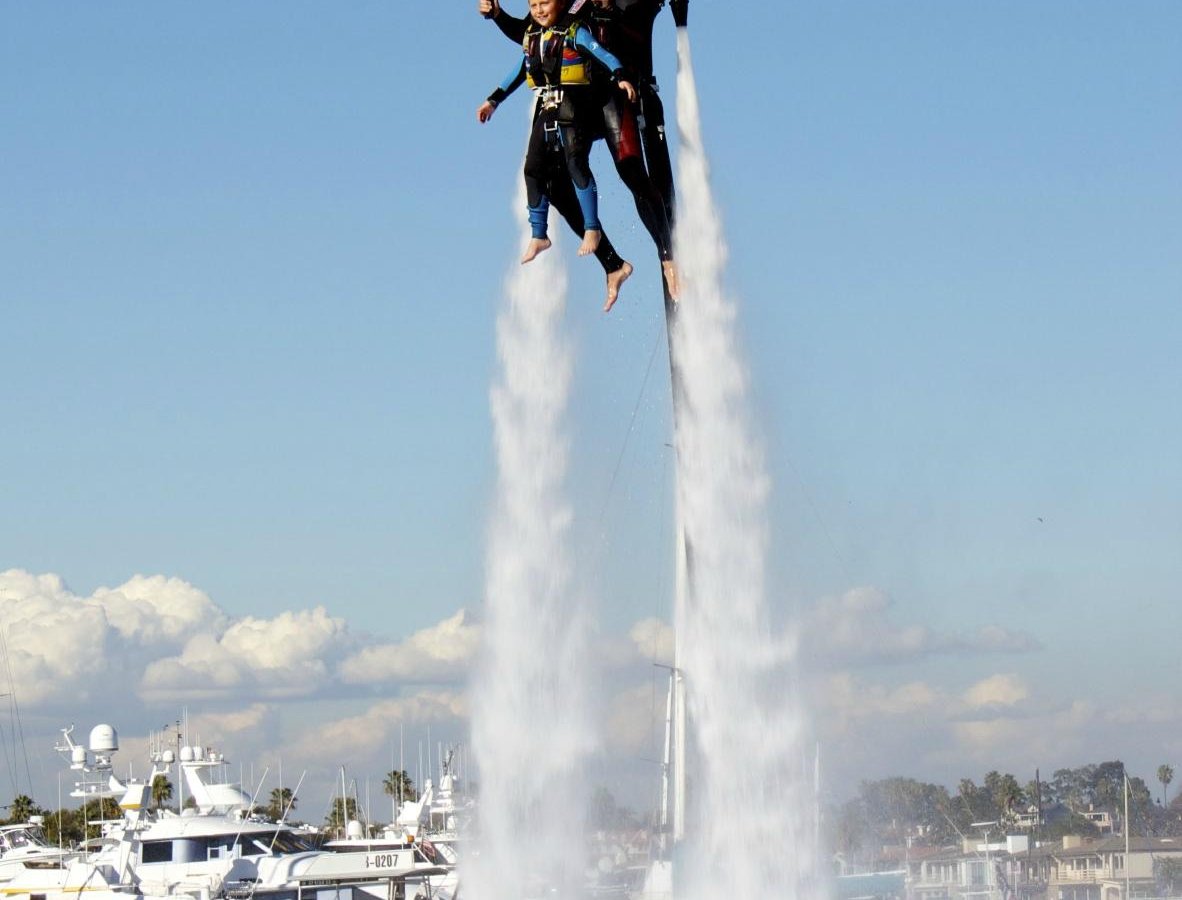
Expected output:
(103, 739)
(186, 754)
(354, 830)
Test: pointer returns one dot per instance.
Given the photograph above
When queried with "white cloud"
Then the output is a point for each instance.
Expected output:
(848, 703)
(855, 628)
(253, 680)
(284, 657)
(151, 609)
(58, 645)
(166, 641)
(439, 654)
(997, 690)
(371, 733)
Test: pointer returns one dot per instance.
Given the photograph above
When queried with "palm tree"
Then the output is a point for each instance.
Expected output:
(282, 802)
(22, 808)
(161, 790)
(338, 818)
(1165, 774)
(398, 784)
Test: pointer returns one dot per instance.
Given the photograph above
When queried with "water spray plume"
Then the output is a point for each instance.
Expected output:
(750, 822)
(529, 731)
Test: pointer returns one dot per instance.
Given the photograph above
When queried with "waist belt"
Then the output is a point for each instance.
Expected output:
(550, 97)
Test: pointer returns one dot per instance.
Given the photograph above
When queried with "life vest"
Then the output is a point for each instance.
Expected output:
(551, 57)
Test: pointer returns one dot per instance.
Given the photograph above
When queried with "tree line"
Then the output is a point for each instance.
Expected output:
(893, 811)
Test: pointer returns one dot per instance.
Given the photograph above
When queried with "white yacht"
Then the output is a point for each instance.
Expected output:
(424, 834)
(213, 851)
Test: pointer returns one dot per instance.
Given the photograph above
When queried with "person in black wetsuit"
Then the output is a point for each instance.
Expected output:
(631, 39)
(627, 31)
(559, 52)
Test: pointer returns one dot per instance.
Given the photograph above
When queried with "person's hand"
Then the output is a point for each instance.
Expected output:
(488, 8)
(628, 89)
(485, 112)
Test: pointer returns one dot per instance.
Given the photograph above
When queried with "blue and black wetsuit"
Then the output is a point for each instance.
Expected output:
(557, 62)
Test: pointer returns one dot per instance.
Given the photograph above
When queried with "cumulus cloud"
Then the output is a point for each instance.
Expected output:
(246, 732)
(168, 642)
(152, 609)
(60, 647)
(371, 733)
(283, 657)
(439, 654)
(856, 628)
(847, 704)
(940, 733)
(997, 691)
(250, 679)
(65, 648)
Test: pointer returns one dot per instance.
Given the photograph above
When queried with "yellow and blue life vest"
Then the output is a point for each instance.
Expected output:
(551, 57)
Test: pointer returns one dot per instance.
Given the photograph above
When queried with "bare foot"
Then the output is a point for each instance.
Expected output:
(534, 247)
(615, 280)
(590, 241)
(672, 278)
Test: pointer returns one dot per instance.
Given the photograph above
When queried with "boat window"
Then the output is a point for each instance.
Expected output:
(274, 842)
(220, 847)
(156, 851)
(21, 837)
(289, 842)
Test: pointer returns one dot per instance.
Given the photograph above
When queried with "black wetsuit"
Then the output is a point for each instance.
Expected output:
(627, 32)
(631, 39)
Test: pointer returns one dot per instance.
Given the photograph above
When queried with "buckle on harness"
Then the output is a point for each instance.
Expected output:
(551, 97)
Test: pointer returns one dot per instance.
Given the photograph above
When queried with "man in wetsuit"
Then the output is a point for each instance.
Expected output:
(627, 32)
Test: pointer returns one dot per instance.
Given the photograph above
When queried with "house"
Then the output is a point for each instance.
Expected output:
(1074, 869)
(1100, 870)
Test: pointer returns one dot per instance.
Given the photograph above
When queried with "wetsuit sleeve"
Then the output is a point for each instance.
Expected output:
(585, 42)
(511, 27)
(680, 10)
(512, 82)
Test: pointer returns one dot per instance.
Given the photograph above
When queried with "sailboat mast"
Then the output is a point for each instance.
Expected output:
(666, 757)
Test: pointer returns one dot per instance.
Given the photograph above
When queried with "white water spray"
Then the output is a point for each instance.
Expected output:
(750, 800)
(530, 732)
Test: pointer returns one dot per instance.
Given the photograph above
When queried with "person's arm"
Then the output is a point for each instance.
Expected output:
(585, 42)
(511, 27)
(680, 10)
(512, 82)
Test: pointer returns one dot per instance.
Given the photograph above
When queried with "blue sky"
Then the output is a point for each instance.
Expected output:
(251, 257)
